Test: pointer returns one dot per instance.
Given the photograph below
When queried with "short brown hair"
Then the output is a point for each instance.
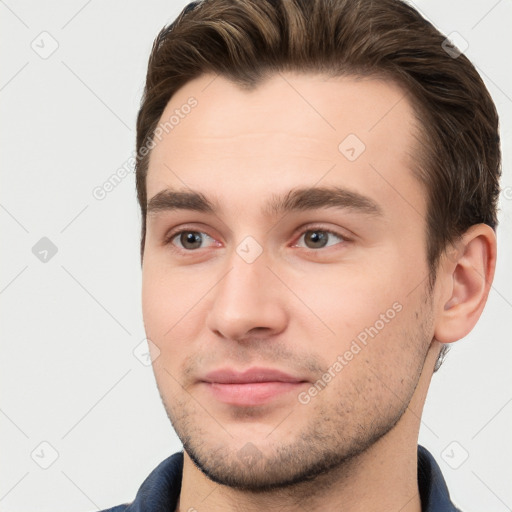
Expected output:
(458, 158)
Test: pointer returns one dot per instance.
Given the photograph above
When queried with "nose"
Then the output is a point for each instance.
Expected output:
(247, 302)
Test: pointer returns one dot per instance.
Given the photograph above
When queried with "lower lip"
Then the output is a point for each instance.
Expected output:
(250, 394)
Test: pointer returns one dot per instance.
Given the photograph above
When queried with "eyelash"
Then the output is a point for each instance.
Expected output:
(169, 238)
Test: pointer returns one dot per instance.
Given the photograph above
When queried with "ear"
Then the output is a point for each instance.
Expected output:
(466, 276)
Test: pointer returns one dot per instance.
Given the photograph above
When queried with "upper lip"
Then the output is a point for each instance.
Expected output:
(251, 375)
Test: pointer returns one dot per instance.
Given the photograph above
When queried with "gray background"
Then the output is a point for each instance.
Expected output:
(69, 375)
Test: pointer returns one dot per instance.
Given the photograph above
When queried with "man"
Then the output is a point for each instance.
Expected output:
(318, 184)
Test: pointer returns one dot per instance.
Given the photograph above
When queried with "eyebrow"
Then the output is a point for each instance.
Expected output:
(299, 199)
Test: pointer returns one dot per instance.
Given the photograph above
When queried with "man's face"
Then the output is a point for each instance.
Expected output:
(327, 287)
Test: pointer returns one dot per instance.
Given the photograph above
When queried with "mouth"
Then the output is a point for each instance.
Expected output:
(255, 386)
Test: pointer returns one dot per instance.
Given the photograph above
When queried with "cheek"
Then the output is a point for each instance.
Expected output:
(349, 299)
(168, 297)
(374, 328)
(155, 303)
(376, 367)
(173, 306)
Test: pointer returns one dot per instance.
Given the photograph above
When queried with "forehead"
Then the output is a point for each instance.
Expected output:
(291, 130)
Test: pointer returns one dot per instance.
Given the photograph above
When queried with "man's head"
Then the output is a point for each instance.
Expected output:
(318, 184)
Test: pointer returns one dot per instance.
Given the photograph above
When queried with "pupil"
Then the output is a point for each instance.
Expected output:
(191, 240)
(317, 239)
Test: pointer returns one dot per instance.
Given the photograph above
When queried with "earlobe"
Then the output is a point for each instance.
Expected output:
(469, 276)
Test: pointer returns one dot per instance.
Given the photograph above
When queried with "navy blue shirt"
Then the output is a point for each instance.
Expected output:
(161, 489)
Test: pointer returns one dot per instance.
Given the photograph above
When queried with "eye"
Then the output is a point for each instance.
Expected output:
(319, 238)
(189, 240)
